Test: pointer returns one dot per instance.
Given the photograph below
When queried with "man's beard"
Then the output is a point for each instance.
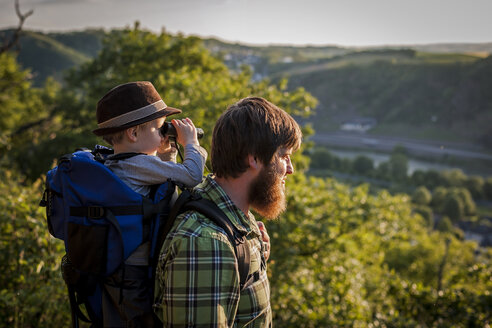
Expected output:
(266, 193)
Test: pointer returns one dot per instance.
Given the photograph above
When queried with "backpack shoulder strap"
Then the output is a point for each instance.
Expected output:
(188, 201)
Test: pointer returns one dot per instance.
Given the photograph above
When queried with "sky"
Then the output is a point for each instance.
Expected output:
(262, 22)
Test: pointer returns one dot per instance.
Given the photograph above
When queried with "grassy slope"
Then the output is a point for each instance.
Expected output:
(48, 57)
(437, 96)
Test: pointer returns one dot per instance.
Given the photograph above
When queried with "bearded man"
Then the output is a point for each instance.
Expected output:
(198, 280)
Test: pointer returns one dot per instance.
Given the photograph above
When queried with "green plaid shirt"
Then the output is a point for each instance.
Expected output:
(197, 280)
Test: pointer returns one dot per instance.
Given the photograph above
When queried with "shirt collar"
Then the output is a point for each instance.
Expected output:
(210, 189)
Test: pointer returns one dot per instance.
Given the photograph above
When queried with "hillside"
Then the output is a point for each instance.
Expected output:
(50, 54)
(434, 91)
(412, 94)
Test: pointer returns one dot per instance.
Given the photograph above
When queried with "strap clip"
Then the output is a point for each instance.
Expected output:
(95, 212)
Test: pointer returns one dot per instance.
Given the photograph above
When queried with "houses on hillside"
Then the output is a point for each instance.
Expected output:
(360, 124)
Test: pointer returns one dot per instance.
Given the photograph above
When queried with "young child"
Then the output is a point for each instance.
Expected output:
(129, 118)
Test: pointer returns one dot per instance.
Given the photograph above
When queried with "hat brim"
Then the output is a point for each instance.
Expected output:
(165, 112)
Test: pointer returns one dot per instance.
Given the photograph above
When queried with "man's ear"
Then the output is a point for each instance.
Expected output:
(131, 133)
(253, 162)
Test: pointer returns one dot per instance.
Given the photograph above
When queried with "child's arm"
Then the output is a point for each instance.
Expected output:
(190, 172)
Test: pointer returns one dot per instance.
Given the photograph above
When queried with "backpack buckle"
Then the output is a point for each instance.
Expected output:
(95, 212)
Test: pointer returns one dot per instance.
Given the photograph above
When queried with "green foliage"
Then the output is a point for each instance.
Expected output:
(421, 196)
(342, 257)
(363, 165)
(15, 93)
(398, 166)
(186, 75)
(475, 184)
(444, 225)
(427, 215)
(439, 198)
(487, 188)
(453, 207)
(321, 158)
(32, 292)
(453, 178)
(468, 203)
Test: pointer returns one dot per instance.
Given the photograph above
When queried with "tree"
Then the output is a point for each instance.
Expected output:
(453, 207)
(438, 198)
(445, 225)
(487, 188)
(32, 292)
(475, 184)
(421, 196)
(453, 178)
(427, 215)
(321, 158)
(432, 179)
(468, 204)
(383, 171)
(186, 75)
(398, 166)
(363, 165)
(418, 178)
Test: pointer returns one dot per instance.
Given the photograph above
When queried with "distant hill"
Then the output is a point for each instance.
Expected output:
(433, 91)
(51, 54)
(419, 95)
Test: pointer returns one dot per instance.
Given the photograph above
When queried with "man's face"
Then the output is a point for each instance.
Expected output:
(267, 191)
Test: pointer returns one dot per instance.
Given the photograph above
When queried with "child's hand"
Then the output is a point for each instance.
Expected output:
(186, 132)
(165, 145)
(167, 150)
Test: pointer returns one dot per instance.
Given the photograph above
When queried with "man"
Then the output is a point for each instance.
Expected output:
(197, 283)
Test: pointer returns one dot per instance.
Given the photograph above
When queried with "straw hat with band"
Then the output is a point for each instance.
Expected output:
(128, 105)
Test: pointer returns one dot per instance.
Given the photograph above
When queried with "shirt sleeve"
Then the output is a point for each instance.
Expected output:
(199, 284)
(149, 170)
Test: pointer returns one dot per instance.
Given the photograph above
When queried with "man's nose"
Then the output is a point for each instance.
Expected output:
(290, 167)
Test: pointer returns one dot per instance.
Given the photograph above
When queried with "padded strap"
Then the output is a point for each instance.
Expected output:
(122, 156)
(191, 202)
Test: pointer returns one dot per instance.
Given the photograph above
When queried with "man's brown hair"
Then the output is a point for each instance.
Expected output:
(252, 126)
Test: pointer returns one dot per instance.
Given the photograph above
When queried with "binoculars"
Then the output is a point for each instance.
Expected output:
(169, 129)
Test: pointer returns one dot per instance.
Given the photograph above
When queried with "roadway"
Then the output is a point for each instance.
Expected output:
(413, 146)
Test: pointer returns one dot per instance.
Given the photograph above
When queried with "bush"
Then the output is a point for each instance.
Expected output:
(475, 185)
(453, 207)
(32, 292)
(427, 215)
(321, 158)
(487, 188)
(421, 196)
(444, 225)
(438, 199)
(363, 165)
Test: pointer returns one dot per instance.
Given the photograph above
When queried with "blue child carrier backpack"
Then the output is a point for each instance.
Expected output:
(111, 236)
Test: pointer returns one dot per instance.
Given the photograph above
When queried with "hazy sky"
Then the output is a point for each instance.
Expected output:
(340, 22)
